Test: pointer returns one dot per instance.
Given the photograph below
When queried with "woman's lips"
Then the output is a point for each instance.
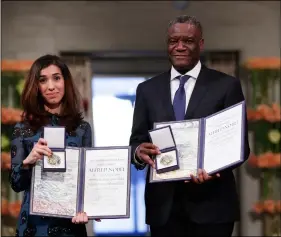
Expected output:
(52, 95)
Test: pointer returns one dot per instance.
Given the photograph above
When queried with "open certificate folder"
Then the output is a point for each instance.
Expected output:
(213, 143)
(96, 181)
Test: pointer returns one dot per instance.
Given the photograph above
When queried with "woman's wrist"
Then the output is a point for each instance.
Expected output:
(25, 164)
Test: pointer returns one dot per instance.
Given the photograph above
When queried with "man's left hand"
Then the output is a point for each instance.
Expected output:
(202, 177)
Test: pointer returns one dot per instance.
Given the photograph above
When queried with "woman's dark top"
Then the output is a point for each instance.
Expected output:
(23, 139)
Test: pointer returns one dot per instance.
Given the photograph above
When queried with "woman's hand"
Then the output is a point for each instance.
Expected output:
(37, 152)
(82, 218)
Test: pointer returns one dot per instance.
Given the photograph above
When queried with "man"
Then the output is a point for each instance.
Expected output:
(207, 205)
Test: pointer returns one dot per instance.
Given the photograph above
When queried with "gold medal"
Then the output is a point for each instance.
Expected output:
(166, 160)
(53, 159)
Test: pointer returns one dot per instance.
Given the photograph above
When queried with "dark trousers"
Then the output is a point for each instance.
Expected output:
(179, 225)
(176, 227)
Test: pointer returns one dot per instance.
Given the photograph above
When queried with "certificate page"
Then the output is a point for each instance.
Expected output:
(106, 190)
(186, 134)
(55, 193)
(223, 139)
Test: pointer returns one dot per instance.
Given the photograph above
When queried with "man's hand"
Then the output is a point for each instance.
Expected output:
(145, 150)
(202, 177)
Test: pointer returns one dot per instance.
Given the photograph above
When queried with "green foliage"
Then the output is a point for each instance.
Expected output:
(262, 130)
(11, 88)
(6, 133)
(5, 142)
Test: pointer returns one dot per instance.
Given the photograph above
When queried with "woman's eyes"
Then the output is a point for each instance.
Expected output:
(43, 80)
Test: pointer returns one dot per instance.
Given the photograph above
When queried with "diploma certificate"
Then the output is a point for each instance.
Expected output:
(96, 181)
(213, 143)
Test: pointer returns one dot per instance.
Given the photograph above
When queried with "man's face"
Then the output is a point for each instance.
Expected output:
(184, 45)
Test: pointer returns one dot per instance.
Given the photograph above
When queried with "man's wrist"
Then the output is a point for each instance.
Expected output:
(138, 160)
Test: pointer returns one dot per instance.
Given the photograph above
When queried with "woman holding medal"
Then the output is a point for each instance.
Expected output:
(49, 98)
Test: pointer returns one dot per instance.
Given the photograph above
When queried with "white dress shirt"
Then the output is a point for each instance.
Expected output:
(188, 86)
(175, 83)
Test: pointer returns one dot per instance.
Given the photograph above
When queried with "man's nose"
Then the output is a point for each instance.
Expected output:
(180, 46)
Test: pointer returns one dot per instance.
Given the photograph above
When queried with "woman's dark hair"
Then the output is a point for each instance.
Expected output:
(33, 103)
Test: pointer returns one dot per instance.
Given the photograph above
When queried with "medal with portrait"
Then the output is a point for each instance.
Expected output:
(54, 160)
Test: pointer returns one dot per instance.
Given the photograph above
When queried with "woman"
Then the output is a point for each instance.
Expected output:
(49, 98)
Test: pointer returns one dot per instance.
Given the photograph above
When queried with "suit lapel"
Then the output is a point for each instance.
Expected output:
(199, 90)
(166, 95)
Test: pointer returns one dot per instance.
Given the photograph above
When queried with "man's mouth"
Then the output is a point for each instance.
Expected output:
(181, 56)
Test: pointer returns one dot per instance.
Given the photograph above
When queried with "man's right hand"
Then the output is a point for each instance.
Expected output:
(145, 150)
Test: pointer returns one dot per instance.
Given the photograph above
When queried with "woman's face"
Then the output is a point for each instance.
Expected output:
(51, 85)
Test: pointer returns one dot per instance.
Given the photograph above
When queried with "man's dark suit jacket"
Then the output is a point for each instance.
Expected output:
(215, 201)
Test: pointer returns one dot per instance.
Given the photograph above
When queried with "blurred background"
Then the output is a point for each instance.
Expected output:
(112, 46)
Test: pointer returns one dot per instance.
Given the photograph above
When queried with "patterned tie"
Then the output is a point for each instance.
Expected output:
(179, 102)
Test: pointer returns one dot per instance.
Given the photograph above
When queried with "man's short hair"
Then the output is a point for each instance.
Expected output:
(187, 19)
